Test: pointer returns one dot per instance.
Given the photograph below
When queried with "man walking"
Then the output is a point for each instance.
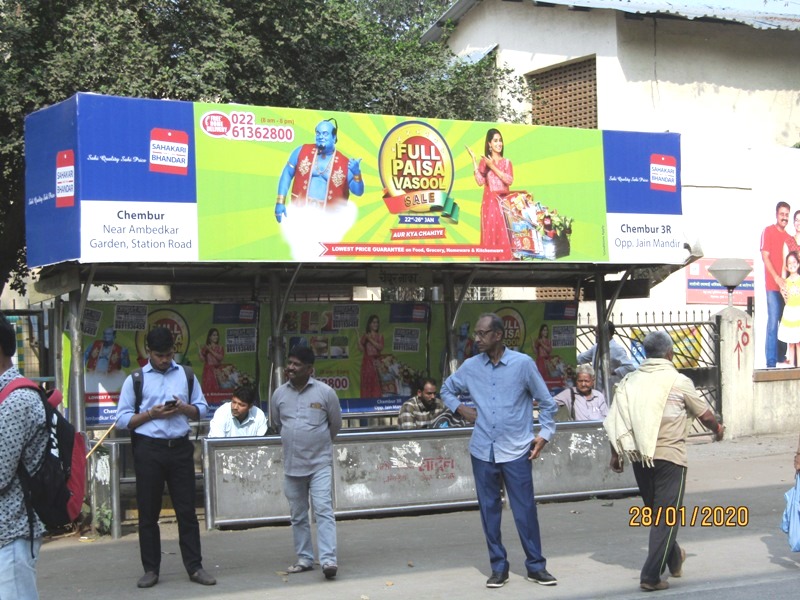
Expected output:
(648, 423)
(163, 453)
(23, 435)
(307, 414)
(503, 385)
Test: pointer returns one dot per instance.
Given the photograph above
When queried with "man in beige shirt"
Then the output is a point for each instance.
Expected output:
(648, 423)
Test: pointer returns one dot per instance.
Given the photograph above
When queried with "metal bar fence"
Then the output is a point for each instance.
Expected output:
(696, 346)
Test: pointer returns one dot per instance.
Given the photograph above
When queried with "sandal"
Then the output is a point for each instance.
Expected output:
(299, 568)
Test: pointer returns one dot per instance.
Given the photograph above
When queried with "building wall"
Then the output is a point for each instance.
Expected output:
(731, 91)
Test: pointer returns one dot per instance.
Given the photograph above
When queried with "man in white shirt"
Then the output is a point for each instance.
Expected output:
(239, 417)
(583, 402)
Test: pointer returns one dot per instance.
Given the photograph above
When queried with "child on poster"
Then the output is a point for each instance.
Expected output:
(789, 328)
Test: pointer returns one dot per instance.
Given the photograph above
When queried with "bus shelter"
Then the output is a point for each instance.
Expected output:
(189, 195)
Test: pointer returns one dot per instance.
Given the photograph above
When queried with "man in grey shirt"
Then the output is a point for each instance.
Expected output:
(307, 414)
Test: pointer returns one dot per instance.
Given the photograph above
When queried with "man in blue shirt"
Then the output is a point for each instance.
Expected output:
(502, 384)
(163, 453)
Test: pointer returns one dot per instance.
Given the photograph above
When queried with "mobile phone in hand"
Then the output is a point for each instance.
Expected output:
(170, 403)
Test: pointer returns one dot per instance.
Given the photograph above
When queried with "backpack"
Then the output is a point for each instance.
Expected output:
(56, 490)
(138, 385)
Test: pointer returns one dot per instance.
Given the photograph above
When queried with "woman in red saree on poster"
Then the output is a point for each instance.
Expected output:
(496, 175)
(371, 344)
(543, 348)
(212, 355)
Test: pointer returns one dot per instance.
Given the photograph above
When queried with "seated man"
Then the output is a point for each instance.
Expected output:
(582, 401)
(239, 418)
(420, 411)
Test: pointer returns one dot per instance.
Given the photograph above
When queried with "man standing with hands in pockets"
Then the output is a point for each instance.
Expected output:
(503, 384)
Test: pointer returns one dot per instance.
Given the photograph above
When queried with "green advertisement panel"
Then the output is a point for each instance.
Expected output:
(544, 330)
(370, 353)
(219, 341)
(424, 189)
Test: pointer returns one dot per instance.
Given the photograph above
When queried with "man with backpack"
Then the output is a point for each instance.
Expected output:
(168, 398)
(22, 429)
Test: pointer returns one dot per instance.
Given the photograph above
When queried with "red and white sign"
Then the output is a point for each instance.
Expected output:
(169, 151)
(65, 179)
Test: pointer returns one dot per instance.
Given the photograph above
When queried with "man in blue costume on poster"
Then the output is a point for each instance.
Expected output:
(321, 180)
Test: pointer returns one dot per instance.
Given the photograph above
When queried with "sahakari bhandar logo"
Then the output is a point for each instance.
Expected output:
(416, 169)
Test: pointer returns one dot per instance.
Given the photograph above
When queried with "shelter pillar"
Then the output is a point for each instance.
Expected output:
(736, 354)
(77, 412)
(601, 362)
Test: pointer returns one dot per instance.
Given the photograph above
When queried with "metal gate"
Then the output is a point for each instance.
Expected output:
(696, 346)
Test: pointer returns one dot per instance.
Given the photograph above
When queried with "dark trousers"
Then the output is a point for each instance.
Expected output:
(517, 475)
(155, 464)
(661, 485)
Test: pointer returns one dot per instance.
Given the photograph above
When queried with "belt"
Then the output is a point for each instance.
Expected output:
(164, 443)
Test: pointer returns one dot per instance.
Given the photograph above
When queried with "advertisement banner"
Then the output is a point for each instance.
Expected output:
(156, 180)
(218, 341)
(703, 288)
(776, 265)
(544, 330)
(370, 353)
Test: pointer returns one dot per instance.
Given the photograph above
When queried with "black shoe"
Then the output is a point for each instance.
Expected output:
(147, 580)
(329, 571)
(497, 579)
(200, 576)
(542, 577)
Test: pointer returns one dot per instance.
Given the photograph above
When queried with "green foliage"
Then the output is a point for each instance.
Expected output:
(103, 519)
(349, 55)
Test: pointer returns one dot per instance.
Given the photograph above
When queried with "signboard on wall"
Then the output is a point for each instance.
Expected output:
(703, 288)
(112, 179)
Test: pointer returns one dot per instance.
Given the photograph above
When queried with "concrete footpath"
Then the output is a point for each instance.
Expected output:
(590, 547)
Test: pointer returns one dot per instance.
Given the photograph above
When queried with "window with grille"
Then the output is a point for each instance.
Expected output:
(566, 96)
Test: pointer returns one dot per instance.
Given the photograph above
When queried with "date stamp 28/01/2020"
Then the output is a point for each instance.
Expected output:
(696, 516)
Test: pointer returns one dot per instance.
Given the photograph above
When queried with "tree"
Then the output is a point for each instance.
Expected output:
(266, 52)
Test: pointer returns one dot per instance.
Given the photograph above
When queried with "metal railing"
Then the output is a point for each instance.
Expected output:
(696, 352)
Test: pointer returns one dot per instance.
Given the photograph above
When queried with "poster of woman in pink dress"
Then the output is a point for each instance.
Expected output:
(496, 174)
(212, 355)
(371, 344)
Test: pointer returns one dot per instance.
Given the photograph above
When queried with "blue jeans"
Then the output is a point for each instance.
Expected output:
(773, 349)
(297, 491)
(18, 569)
(518, 477)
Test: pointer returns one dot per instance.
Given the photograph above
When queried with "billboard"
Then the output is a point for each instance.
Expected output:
(112, 179)
(219, 342)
